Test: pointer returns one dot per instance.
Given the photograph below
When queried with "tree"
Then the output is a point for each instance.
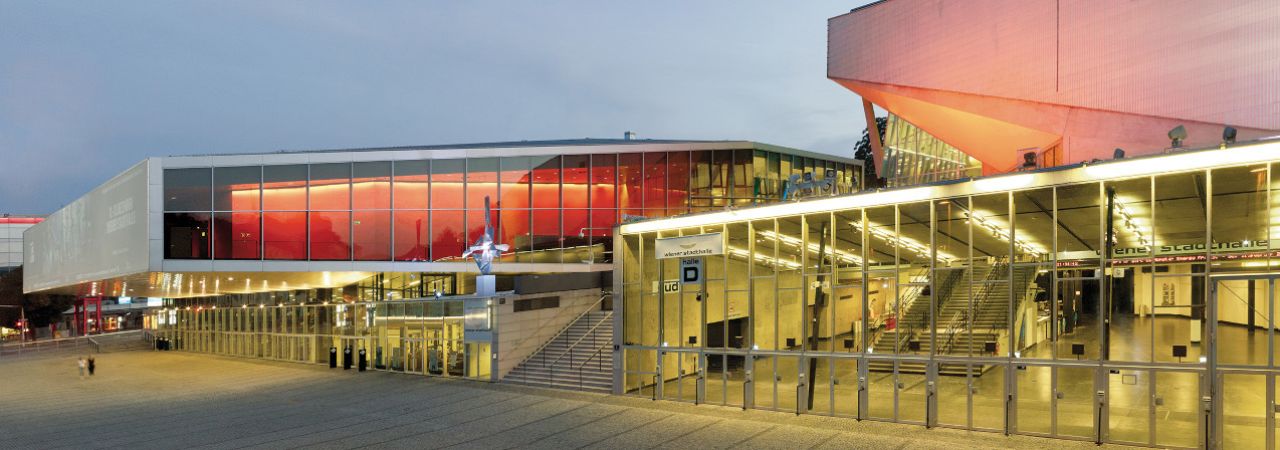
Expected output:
(41, 309)
(862, 151)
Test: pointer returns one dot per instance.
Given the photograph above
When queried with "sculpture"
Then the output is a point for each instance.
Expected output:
(485, 249)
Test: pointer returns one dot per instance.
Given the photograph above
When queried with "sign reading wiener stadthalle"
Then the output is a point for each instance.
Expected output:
(687, 246)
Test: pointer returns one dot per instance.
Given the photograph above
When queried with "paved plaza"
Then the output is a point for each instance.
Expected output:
(145, 399)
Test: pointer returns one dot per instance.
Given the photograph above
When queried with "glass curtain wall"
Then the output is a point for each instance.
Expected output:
(913, 156)
(1045, 296)
(419, 336)
(547, 208)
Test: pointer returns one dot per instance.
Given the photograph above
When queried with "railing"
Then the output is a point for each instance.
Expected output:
(562, 331)
(599, 362)
(551, 368)
(955, 326)
(42, 345)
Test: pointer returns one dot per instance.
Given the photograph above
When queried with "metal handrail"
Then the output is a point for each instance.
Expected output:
(599, 350)
(566, 328)
(574, 345)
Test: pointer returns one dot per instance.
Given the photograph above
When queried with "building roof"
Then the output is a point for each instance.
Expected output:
(536, 147)
(518, 144)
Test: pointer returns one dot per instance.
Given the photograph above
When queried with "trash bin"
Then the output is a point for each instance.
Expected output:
(364, 362)
(346, 358)
(333, 357)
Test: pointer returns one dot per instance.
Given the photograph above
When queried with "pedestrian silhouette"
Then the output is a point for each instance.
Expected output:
(80, 363)
(91, 366)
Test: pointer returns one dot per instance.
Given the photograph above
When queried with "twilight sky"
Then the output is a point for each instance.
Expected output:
(89, 88)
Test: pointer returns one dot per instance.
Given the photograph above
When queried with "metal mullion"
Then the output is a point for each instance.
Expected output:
(1012, 352)
(933, 289)
(1151, 250)
(1053, 292)
(751, 289)
(1209, 339)
(897, 293)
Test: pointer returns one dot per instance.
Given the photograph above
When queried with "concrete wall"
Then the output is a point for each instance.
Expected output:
(1206, 61)
(521, 333)
(993, 76)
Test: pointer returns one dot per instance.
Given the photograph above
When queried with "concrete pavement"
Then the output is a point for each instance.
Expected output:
(144, 400)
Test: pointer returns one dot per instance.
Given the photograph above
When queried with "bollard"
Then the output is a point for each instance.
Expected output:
(346, 358)
(333, 357)
(364, 362)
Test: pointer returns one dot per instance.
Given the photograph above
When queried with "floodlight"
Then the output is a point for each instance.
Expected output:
(1177, 135)
(1118, 154)
(1029, 160)
(1228, 135)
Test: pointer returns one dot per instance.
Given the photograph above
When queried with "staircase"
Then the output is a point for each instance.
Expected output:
(964, 327)
(579, 358)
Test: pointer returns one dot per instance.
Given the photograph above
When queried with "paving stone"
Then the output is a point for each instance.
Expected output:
(162, 400)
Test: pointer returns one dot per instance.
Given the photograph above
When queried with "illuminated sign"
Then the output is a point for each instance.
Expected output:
(686, 246)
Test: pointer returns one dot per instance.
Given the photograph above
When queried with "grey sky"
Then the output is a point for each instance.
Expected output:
(89, 88)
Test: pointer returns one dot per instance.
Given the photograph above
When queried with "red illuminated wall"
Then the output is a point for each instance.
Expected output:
(994, 76)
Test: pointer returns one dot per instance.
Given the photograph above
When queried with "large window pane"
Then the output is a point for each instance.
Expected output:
(546, 182)
(546, 229)
(446, 234)
(742, 177)
(186, 235)
(655, 184)
(1129, 335)
(482, 181)
(412, 235)
(514, 176)
(284, 188)
(575, 226)
(371, 231)
(330, 187)
(284, 235)
(630, 194)
(603, 181)
(476, 224)
(721, 177)
(574, 186)
(677, 183)
(447, 184)
(1240, 217)
(330, 235)
(237, 188)
(188, 190)
(513, 230)
(411, 184)
(236, 235)
(371, 185)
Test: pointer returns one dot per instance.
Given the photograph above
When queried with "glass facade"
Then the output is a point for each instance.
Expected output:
(425, 336)
(912, 156)
(549, 209)
(1100, 310)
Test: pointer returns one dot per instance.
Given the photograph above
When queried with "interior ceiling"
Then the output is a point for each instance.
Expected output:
(198, 284)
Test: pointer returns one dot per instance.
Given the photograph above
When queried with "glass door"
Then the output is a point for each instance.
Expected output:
(1242, 362)
(1075, 403)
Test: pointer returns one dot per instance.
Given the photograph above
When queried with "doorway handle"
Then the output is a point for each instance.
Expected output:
(1058, 395)
(1158, 401)
(900, 385)
(1275, 407)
